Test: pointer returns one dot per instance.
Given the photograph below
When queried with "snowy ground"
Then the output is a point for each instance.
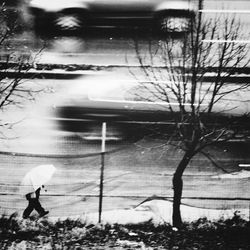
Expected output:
(158, 211)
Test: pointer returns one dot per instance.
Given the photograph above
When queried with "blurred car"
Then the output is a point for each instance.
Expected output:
(111, 98)
(131, 108)
(165, 15)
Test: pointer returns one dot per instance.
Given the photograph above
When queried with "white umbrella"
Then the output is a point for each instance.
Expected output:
(37, 177)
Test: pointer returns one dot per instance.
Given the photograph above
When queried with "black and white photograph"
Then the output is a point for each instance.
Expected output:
(124, 124)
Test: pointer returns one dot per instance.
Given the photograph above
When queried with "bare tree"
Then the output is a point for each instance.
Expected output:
(13, 66)
(192, 81)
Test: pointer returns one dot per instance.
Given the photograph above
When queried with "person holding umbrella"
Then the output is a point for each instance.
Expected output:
(34, 203)
(31, 186)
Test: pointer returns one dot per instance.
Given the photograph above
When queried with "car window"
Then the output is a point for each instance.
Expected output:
(108, 91)
(142, 93)
(127, 91)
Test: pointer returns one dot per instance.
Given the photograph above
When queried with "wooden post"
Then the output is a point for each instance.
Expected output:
(102, 169)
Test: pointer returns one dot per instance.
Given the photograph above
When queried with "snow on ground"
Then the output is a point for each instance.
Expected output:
(158, 211)
(235, 175)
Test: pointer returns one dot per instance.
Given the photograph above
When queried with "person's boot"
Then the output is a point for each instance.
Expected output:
(44, 213)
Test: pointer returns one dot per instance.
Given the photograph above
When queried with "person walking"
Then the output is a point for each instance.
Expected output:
(34, 203)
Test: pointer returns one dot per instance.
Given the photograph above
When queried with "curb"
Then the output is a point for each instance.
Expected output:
(47, 74)
(241, 75)
(72, 156)
(43, 155)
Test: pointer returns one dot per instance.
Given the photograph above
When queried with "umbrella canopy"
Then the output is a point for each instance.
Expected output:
(37, 177)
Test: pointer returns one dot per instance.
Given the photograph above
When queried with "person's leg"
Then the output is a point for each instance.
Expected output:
(39, 208)
(29, 209)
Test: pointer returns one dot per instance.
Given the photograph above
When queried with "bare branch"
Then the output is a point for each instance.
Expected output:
(194, 81)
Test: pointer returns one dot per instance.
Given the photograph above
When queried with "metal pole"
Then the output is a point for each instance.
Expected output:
(102, 170)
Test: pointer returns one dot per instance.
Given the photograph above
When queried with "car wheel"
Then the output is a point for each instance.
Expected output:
(68, 22)
(174, 24)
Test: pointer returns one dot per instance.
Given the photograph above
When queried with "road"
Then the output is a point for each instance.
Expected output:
(133, 171)
(37, 131)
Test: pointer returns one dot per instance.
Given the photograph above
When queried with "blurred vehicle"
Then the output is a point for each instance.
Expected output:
(114, 99)
(131, 109)
(165, 15)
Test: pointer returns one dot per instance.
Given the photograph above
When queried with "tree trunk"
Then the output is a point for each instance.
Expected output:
(177, 187)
